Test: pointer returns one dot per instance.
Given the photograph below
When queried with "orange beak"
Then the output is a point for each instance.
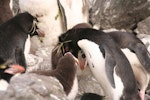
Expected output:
(40, 33)
(82, 61)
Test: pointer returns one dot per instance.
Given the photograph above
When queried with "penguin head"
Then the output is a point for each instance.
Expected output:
(70, 38)
(68, 42)
(34, 30)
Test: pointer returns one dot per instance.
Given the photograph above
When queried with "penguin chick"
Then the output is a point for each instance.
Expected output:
(65, 72)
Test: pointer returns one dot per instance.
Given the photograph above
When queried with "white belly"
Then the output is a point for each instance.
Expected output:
(99, 73)
(141, 75)
(96, 63)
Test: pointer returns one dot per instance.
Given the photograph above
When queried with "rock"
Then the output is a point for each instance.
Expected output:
(145, 39)
(120, 14)
(33, 87)
(41, 60)
(143, 27)
(15, 7)
(5, 11)
(3, 85)
(88, 84)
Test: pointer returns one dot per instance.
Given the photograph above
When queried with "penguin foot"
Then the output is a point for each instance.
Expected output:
(14, 69)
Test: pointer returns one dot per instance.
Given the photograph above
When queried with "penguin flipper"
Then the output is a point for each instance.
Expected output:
(143, 55)
(110, 64)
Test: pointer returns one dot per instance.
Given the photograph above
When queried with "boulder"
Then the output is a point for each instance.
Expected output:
(120, 14)
(143, 27)
(33, 87)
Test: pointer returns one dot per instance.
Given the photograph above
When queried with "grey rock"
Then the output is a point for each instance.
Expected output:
(31, 86)
(88, 84)
(120, 14)
(34, 87)
(143, 27)
(41, 60)
(15, 7)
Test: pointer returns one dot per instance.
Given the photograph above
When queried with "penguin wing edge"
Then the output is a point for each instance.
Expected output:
(109, 67)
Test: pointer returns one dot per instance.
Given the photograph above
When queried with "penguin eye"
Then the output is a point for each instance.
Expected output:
(83, 56)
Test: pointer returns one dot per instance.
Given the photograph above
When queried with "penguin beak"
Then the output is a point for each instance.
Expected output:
(82, 61)
(75, 59)
(40, 33)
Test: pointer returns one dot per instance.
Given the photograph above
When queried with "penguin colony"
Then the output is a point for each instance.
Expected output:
(108, 56)
(106, 60)
(119, 61)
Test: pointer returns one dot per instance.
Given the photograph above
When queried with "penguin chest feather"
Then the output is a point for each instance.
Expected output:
(97, 62)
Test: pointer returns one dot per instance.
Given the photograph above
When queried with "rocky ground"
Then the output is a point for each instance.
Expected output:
(128, 15)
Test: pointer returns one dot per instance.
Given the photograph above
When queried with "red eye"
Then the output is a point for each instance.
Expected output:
(66, 49)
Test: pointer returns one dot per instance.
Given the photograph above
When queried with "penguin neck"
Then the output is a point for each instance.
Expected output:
(72, 94)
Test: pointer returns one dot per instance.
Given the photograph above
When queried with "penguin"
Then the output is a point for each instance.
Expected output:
(50, 22)
(141, 75)
(7, 71)
(54, 17)
(138, 56)
(65, 71)
(105, 59)
(130, 41)
(13, 35)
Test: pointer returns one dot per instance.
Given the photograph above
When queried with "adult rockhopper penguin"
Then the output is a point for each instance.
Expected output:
(138, 56)
(13, 36)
